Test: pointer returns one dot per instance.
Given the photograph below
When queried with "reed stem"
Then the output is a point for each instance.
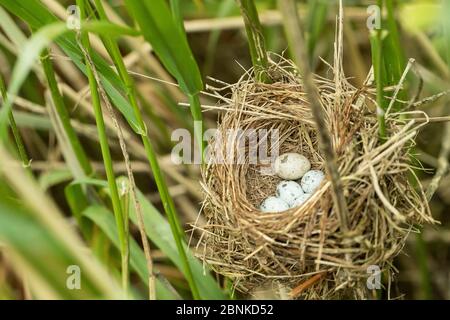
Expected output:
(296, 41)
(167, 200)
(107, 160)
(256, 41)
(15, 131)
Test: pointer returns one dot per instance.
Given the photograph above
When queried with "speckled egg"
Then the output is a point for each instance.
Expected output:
(274, 204)
(291, 166)
(312, 180)
(288, 191)
(301, 199)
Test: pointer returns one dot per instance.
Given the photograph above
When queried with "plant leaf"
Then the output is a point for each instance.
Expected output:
(169, 42)
(39, 18)
(103, 218)
(158, 231)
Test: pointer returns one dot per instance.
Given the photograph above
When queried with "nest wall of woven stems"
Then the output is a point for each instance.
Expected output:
(302, 252)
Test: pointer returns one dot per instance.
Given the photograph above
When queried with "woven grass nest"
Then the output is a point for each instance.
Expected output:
(303, 252)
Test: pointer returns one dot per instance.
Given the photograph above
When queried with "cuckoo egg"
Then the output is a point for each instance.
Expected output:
(291, 166)
(288, 191)
(312, 180)
(274, 204)
(300, 200)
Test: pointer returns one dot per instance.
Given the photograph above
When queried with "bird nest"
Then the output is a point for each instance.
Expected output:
(304, 251)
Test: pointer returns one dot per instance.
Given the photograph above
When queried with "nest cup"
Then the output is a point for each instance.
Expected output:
(303, 252)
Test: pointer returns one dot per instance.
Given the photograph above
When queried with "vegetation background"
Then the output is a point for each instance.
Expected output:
(86, 175)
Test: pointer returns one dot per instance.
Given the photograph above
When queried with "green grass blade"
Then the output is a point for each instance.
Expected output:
(39, 18)
(177, 14)
(11, 29)
(110, 29)
(376, 42)
(225, 9)
(32, 242)
(393, 55)
(255, 39)
(106, 155)
(159, 232)
(158, 25)
(114, 51)
(63, 113)
(169, 43)
(15, 131)
(31, 50)
(315, 23)
(53, 177)
(446, 28)
(394, 40)
(387, 61)
(102, 217)
(30, 207)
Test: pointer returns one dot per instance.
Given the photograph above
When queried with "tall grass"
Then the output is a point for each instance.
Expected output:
(90, 64)
(55, 129)
(15, 131)
(255, 37)
(110, 175)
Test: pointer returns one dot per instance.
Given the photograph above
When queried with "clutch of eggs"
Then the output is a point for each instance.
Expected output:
(289, 193)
